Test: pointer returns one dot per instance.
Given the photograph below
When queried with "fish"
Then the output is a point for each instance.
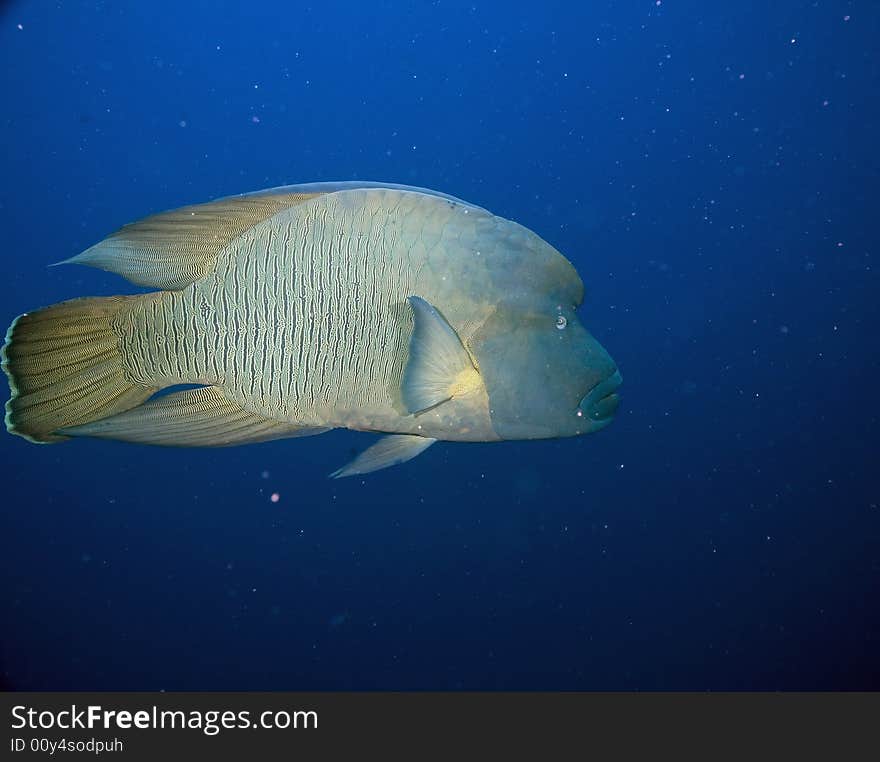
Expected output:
(296, 310)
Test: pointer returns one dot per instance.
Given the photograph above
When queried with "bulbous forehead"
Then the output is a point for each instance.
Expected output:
(472, 263)
(549, 274)
(528, 271)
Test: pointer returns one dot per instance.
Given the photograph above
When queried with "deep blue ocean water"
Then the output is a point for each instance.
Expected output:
(712, 171)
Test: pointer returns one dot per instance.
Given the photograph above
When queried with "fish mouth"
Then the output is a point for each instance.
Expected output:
(600, 403)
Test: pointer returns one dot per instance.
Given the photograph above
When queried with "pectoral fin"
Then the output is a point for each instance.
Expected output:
(193, 418)
(439, 368)
(388, 451)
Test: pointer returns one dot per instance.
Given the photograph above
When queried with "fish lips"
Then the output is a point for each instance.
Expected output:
(601, 402)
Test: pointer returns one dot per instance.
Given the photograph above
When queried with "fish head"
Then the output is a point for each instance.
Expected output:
(545, 375)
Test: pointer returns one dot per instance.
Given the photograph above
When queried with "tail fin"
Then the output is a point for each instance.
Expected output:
(65, 368)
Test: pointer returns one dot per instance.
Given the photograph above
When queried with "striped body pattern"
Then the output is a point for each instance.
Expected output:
(304, 317)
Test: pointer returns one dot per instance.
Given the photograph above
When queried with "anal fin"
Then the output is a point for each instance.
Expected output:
(388, 451)
(200, 417)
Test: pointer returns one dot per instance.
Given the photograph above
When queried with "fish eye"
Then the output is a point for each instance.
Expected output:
(561, 322)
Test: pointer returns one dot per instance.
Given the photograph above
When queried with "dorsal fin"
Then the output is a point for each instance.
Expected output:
(171, 250)
(349, 185)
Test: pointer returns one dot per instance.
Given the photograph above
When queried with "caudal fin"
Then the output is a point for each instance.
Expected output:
(65, 368)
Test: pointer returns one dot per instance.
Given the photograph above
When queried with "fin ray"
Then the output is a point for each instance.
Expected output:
(388, 451)
(172, 249)
(65, 368)
(350, 185)
(438, 364)
(201, 417)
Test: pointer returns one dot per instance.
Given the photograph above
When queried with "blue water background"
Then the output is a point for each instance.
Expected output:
(712, 171)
